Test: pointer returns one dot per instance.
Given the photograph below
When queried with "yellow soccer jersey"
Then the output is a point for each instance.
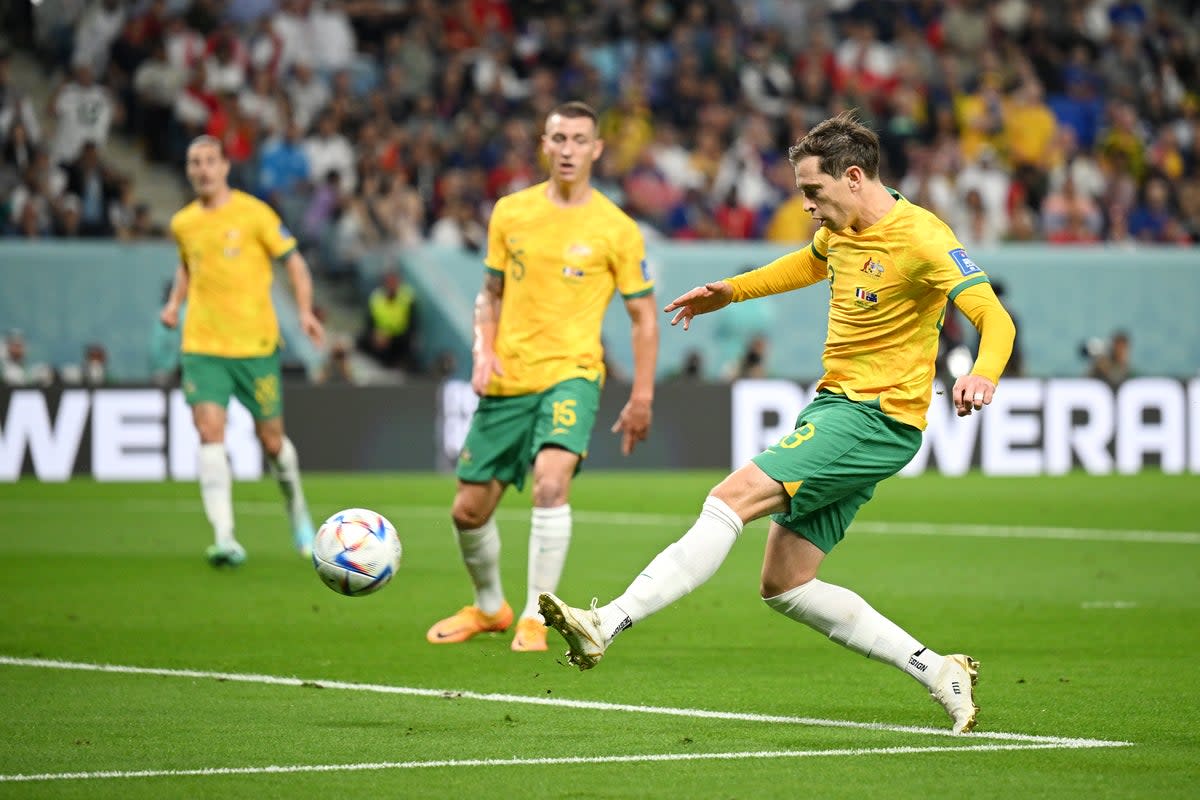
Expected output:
(560, 267)
(228, 253)
(889, 288)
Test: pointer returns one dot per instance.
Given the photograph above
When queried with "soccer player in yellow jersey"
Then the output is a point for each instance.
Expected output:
(557, 252)
(892, 267)
(227, 240)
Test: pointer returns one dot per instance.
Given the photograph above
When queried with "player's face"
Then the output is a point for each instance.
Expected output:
(828, 199)
(571, 147)
(207, 169)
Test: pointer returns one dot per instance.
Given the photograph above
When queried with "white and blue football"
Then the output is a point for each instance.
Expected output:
(356, 552)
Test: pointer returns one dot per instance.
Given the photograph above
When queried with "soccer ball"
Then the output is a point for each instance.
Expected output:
(356, 552)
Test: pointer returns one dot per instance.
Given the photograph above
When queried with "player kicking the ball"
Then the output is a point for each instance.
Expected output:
(892, 267)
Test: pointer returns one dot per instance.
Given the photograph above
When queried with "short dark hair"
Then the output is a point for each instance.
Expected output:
(208, 140)
(574, 109)
(839, 143)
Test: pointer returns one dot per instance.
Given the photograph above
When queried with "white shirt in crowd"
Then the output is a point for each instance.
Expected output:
(82, 114)
(95, 34)
(331, 154)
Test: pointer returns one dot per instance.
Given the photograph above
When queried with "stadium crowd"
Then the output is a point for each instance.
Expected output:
(403, 120)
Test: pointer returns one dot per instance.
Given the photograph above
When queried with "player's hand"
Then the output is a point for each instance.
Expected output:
(971, 393)
(485, 366)
(312, 327)
(701, 300)
(633, 423)
(169, 315)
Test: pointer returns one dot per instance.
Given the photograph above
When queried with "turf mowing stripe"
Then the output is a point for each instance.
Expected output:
(521, 762)
(672, 521)
(595, 705)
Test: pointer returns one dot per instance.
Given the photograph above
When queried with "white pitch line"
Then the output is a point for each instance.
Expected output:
(1035, 532)
(513, 762)
(595, 705)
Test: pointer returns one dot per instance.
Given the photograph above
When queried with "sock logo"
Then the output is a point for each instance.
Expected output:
(918, 665)
(625, 623)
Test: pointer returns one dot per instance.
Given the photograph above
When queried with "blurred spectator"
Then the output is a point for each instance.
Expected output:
(17, 154)
(262, 101)
(122, 210)
(93, 371)
(328, 150)
(156, 83)
(307, 93)
(692, 368)
(1076, 229)
(459, 227)
(337, 366)
(16, 109)
(94, 36)
(1066, 203)
(388, 334)
(225, 64)
(753, 363)
(283, 164)
(987, 177)
(973, 225)
(90, 180)
(1151, 218)
(83, 112)
(15, 370)
(192, 109)
(1110, 363)
(355, 234)
(1029, 128)
(144, 226)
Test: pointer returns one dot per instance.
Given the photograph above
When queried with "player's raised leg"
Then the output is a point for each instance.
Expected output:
(478, 537)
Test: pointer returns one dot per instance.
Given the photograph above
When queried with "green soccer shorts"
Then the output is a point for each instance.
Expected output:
(507, 433)
(831, 462)
(255, 382)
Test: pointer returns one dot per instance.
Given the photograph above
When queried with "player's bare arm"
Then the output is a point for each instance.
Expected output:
(701, 300)
(996, 335)
(170, 310)
(301, 280)
(634, 421)
(487, 319)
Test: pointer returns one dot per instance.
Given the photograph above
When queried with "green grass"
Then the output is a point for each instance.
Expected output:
(1079, 637)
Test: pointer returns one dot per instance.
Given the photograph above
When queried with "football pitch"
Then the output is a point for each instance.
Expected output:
(129, 668)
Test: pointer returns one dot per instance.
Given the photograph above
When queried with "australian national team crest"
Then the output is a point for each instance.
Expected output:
(865, 298)
(873, 268)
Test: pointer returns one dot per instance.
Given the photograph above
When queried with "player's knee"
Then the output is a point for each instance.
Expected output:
(272, 441)
(773, 585)
(550, 491)
(210, 432)
(467, 515)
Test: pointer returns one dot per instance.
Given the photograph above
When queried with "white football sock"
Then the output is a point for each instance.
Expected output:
(216, 491)
(549, 539)
(850, 621)
(678, 570)
(480, 549)
(286, 468)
